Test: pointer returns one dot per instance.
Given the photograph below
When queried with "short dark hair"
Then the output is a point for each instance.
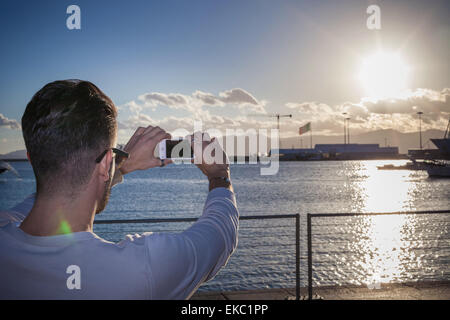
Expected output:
(66, 125)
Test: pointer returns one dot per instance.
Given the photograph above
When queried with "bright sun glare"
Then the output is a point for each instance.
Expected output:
(383, 75)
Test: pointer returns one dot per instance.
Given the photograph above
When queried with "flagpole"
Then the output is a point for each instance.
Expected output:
(307, 128)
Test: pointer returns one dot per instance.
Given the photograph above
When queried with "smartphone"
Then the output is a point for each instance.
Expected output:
(176, 149)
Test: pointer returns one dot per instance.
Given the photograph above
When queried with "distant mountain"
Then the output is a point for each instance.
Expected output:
(387, 137)
(18, 154)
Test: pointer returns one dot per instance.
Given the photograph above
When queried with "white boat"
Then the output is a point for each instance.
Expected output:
(438, 169)
(410, 165)
(5, 166)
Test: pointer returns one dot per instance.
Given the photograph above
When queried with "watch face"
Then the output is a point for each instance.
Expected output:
(225, 179)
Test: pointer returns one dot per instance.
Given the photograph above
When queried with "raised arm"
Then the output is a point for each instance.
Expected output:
(180, 263)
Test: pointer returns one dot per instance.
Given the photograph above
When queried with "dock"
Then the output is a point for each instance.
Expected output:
(424, 290)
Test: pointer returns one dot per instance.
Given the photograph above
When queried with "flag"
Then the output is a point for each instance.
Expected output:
(305, 128)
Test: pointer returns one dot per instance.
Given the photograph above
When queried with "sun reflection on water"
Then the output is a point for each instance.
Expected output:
(385, 190)
(383, 245)
(383, 248)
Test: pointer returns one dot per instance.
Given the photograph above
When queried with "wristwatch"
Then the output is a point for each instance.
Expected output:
(225, 179)
(219, 182)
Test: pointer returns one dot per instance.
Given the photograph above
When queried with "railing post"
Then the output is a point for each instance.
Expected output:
(297, 256)
(310, 289)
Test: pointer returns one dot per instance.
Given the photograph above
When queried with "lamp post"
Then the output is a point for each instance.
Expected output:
(348, 130)
(345, 128)
(420, 113)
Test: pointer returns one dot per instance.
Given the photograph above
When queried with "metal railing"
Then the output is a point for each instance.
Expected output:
(274, 232)
(325, 215)
(261, 229)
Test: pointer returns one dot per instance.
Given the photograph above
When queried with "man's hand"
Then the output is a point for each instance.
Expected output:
(218, 172)
(141, 148)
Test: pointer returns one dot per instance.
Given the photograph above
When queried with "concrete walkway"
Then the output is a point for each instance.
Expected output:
(432, 290)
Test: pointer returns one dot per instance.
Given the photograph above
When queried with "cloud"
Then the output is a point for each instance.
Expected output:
(10, 123)
(207, 98)
(194, 103)
(209, 121)
(171, 99)
(238, 96)
(394, 113)
(425, 100)
(311, 107)
(397, 113)
(235, 96)
(133, 106)
(137, 120)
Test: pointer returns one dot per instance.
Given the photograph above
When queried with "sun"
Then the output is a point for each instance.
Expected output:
(383, 75)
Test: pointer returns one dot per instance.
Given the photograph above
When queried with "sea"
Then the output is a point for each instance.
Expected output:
(360, 250)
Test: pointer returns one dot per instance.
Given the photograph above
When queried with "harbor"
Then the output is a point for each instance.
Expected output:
(348, 151)
(435, 161)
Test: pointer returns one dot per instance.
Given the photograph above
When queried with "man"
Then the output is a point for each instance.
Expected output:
(47, 247)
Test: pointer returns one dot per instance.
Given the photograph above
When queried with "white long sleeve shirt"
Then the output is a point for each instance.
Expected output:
(82, 265)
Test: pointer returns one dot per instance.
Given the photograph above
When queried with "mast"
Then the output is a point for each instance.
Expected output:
(446, 130)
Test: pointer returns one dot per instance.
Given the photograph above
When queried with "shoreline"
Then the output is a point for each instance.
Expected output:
(420, 290)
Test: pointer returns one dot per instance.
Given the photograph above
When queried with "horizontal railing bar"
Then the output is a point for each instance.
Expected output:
(271, 216)
(269, 245)
(271, 226)
(241, 237)
(154, 220)
(264, 217)
(146, 229)
(346, 237)
(354, 214)
(437, 224)
(337, 229)
(272, 263)
(264, 254)
(159, 220)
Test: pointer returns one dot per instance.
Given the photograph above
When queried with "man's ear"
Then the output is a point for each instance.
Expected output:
(28, 157)
(105, 164)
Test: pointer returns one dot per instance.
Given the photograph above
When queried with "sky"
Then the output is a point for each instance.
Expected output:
(234, 64)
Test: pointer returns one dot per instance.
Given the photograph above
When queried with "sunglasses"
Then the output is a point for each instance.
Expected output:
(121, 156)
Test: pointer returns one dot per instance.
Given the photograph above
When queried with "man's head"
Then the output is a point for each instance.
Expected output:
(66, 126)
